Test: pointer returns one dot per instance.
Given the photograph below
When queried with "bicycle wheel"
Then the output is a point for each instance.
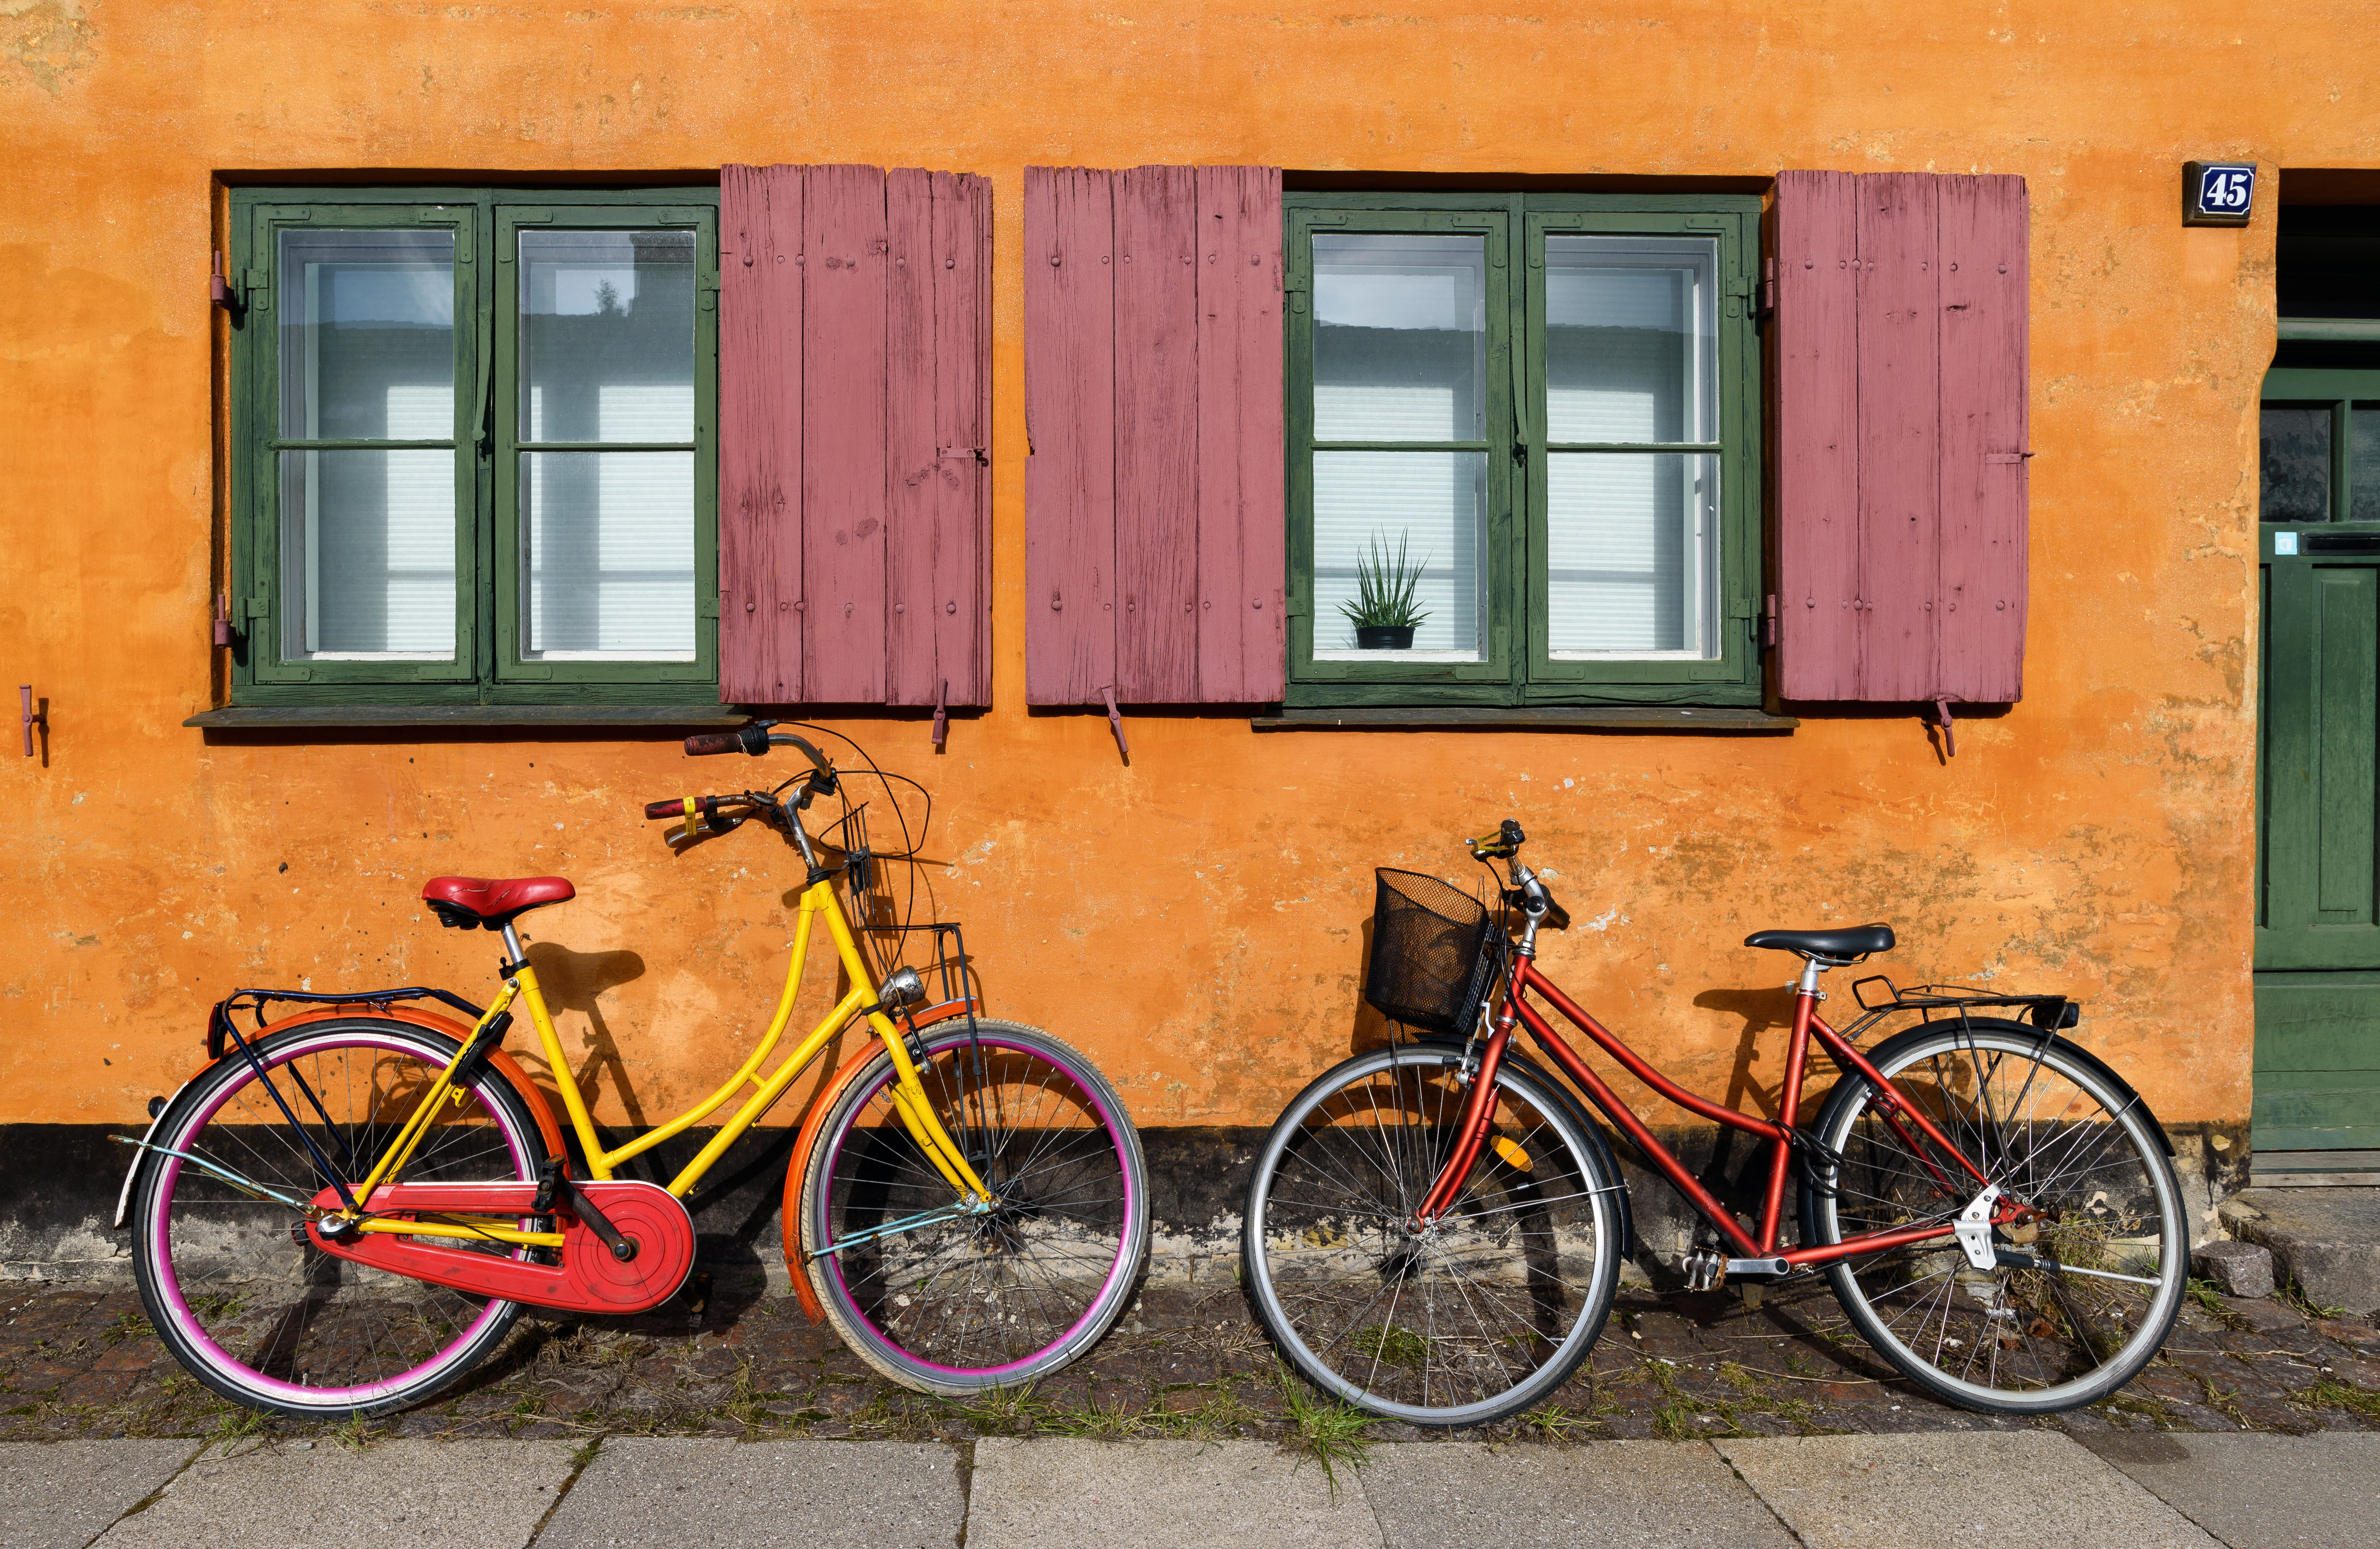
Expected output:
(954, 1305)
(1473, 1319)
(251, 1308)
(2083, 1293)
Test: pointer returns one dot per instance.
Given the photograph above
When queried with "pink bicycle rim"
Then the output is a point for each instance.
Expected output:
(320, 1398)
(1118, 1270)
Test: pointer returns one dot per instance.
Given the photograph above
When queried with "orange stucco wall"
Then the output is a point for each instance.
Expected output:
(1193, 919)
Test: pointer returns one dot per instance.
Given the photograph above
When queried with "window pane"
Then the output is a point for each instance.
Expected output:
(2296, 459)
(367, 336)
(1428, 502)
(2363, 481)
(368, 556)
(1633, 554)
(607, 335)
(607, 561)
(1400, 337)
(1632, 339)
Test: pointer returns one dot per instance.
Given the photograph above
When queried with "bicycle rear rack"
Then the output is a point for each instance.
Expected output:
(1941, 1002)
(219, 1022)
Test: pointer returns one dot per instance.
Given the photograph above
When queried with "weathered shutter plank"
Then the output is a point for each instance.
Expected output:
(759, 434)
(1070, 429)
(1158, 406)
(938, 224)
(1817, 448)
(1899, 433)
(843, 433)
(1243, 648)
(1985, 285)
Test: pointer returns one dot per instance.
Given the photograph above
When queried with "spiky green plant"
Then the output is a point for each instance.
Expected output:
(1385, 587)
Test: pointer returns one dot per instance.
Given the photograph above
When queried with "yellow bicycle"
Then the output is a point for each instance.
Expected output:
(350, 1205)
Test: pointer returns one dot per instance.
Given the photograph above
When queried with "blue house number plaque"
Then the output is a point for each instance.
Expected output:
(2218, 193)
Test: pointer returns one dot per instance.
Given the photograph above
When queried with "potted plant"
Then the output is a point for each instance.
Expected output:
(1383, 611)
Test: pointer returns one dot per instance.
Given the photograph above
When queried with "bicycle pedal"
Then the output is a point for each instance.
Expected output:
(1705, 1270)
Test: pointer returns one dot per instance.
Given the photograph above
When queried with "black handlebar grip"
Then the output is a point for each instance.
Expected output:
(704, 743)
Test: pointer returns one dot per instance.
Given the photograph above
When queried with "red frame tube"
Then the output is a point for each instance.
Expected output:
(1806, 1021)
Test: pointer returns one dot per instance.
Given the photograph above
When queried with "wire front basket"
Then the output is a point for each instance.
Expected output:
(1430, 968)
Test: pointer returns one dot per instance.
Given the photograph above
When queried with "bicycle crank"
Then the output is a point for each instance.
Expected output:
(590, 1276)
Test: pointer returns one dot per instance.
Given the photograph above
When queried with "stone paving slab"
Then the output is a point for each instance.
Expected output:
(2325, 1240)
(1982, 1489)
(693, 1493)
(59, 1495)
(1057, 1494)
(1621, 1495)
(2261, 1491)
(477, 1494)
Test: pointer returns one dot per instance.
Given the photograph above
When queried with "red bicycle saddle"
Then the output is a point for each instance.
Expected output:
(466, 901)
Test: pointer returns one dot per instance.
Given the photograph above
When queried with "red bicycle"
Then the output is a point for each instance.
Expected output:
(1435, 1228)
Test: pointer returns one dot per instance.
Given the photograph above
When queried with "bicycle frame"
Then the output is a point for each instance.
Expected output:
(1807, 1024)
(909, 1098)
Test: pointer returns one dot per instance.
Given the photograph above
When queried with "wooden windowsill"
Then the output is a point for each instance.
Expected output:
(1454, 718)
(269, 718)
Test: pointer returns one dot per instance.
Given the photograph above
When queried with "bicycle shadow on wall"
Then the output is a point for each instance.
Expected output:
(574, 981)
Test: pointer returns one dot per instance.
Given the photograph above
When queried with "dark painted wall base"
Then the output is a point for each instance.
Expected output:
(58, 1184)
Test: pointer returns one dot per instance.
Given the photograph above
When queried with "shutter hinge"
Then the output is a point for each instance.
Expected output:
(1768, 623)
(253, 608)
(1767, 307)
(707, 288)
(1296, 295)
(707, 607)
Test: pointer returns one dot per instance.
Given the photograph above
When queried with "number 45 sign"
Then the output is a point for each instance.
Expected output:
(2218, 193)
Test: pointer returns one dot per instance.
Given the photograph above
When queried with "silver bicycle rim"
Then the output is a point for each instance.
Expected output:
(2014, 1325)
(1404, 1302)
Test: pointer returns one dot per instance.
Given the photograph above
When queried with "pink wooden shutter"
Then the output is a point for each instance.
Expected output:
(939, 432)
(759, 434)
(855, 385)
(1070, 432)
(1154, 503)
(1900, 415)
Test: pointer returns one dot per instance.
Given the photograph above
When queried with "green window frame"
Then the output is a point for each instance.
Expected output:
(1522, 660)
(275, 461)
(2340, 407)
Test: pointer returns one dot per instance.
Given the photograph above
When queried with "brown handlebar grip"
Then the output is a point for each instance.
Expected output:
(703, 742)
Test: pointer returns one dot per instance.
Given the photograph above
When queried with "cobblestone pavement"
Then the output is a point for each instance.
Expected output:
(1186, 1362)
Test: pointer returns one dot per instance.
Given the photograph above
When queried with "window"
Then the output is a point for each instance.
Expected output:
(475, 457)
(2320, 445)
(1537, 415)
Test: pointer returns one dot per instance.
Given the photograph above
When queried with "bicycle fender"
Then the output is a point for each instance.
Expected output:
(790, 1214)
(548, 1126)
(141, 1156)
(1588, 1125)
(530, 1093)
(2098, 1067)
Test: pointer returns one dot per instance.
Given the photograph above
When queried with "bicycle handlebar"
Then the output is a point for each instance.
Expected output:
(706, 742)
(707, 806)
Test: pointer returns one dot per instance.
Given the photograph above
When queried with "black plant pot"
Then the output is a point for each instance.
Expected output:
(1384, 638)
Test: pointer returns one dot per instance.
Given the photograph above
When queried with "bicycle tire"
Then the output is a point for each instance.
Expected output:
(958, 1306)
(280, 1325)
(2054, 1127)
(1323, 1240)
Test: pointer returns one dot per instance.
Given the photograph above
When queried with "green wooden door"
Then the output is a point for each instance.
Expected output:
(2317, 1063)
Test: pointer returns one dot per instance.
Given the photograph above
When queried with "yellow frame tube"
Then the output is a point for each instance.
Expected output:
(909, 1099)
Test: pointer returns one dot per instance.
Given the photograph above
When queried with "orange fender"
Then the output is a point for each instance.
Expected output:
(504, 1064)
(815, 1121)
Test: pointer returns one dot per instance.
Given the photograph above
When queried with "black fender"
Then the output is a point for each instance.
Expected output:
(1588, 1125)
(1881, 1053)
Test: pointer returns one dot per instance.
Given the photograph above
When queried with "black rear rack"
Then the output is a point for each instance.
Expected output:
(1937, 1002)
(255, 1001)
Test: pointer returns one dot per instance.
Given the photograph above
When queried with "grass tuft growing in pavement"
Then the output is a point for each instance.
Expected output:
(1326, 1430)
(2332, 1394)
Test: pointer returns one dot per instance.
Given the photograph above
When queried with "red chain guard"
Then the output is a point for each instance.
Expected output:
(589, 1279)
